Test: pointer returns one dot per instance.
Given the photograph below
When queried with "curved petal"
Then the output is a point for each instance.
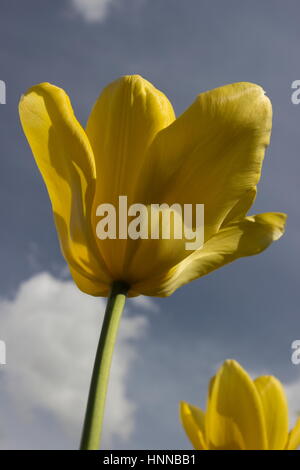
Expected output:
(234, 417)
(124, 120)
(65, 159)
(212, 154)
(294, 437)
(90, 286)
(240, 209)
(147, 257)
(192, 419)
(275, 409)
(246, 237)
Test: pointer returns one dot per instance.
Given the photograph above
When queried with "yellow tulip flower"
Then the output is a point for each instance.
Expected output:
(133, 145)
(241, 414)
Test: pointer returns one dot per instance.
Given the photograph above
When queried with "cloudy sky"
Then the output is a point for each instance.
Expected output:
(167, 348)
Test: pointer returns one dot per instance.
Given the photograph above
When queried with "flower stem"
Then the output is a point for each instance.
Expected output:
(92, 427)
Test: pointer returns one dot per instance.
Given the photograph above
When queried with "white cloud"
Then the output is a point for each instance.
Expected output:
(96, 11)
(145, 303)
(92, 11)
(51, 330)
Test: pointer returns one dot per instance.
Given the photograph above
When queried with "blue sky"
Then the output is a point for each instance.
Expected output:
(248, 310)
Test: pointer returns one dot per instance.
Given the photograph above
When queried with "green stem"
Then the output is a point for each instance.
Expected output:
(96, 401)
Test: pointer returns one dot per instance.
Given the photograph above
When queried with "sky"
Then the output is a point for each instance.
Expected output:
(167, 348)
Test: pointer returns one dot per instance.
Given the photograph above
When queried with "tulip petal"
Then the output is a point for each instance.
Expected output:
(234, 417)
(89, 286)
(275, 409)
(124, 120)
(294, 437)
(241, 208)
(212, 154)
(65, 159)
(146, 257)
(192, 419)
(246, 237)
